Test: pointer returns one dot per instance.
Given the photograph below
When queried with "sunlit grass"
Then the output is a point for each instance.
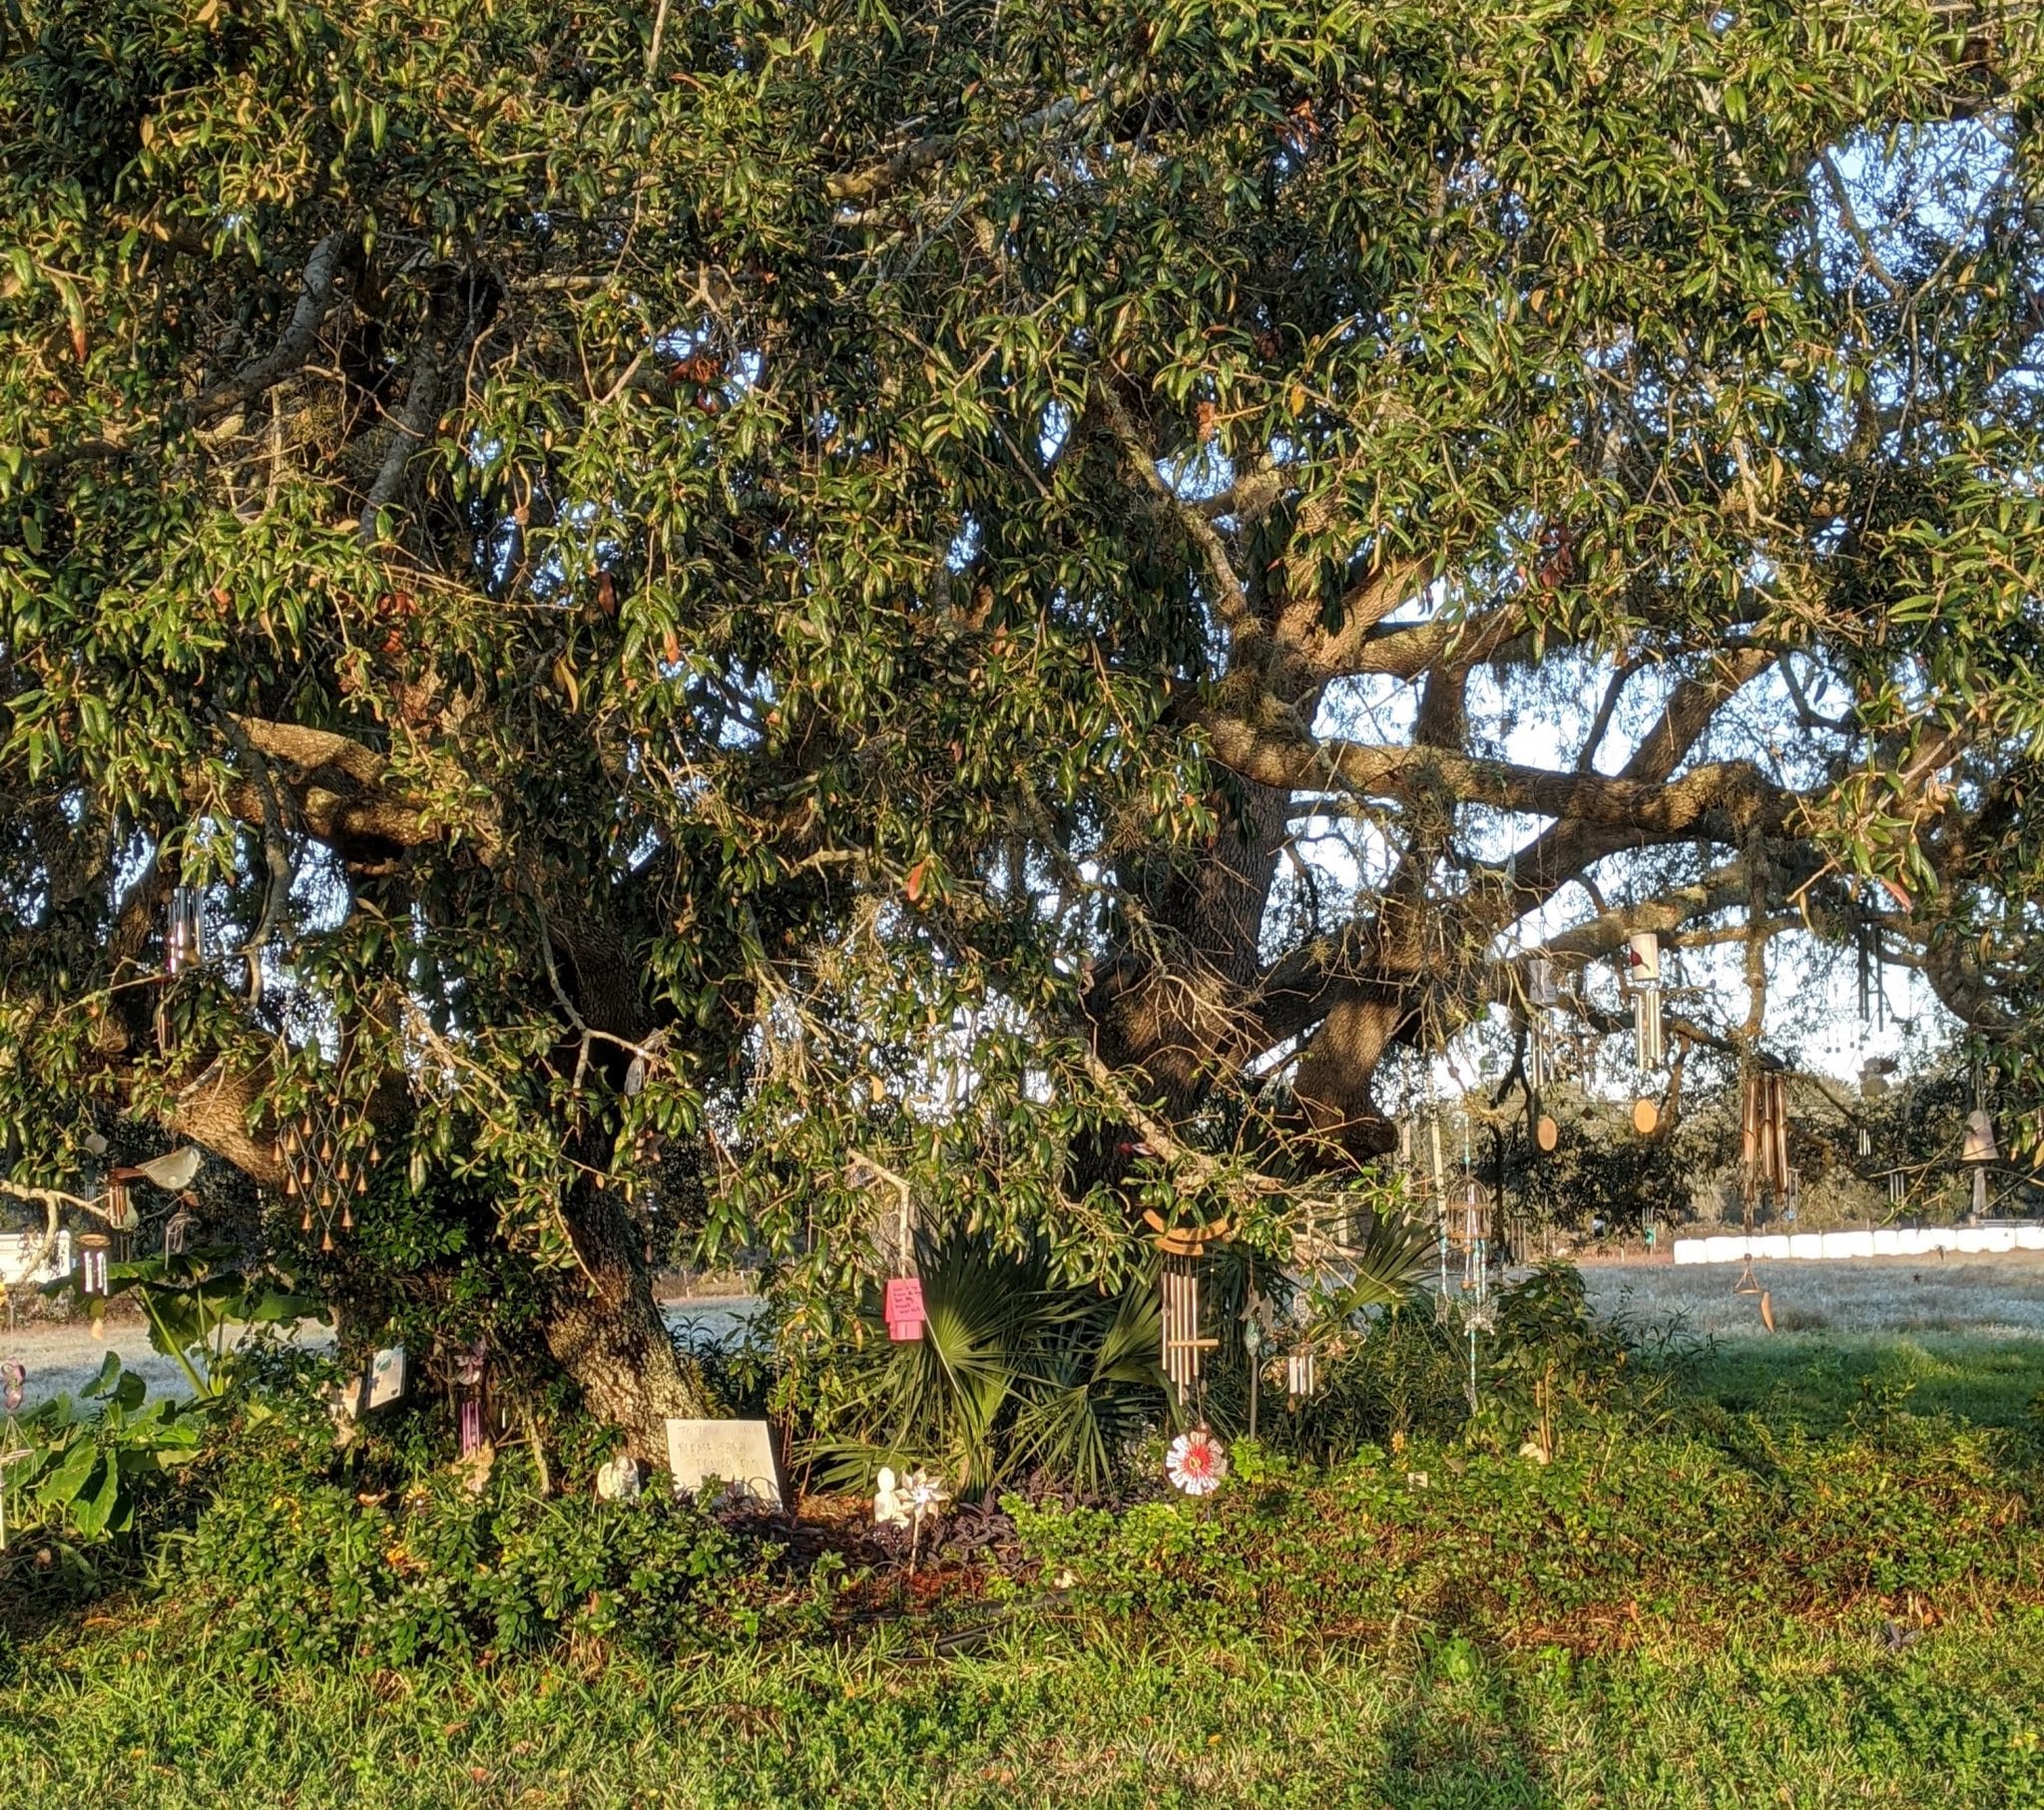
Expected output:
(1784, 1718)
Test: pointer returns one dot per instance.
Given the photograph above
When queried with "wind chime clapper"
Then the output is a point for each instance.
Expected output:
(326, 1171)
(1181, 1248)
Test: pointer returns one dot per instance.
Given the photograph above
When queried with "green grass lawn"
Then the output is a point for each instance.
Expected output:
(1782, 1716)
(1816, 1379)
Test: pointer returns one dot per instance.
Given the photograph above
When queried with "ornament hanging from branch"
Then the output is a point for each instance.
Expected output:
(1763, 1135)
(184, 931)
(1181, 1248)
(1978, 1152)
(1643, 967)
(328, 1160)
(93, 1251)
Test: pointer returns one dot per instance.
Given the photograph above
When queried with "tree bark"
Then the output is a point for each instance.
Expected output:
(604, 1328)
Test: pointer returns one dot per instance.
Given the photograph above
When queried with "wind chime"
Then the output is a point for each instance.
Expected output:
(1867, 943)
(325, 1170)
(93, 1251)
(184, 947)
(471, 1374)
(1764, 1136)
(1642, 977)
(1181, 1347)
(1542, 994)
(1980, 1148)
(184, 932)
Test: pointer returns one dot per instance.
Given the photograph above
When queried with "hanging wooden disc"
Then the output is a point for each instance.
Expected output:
(1646, 1117)
(1186, 1241)
(1546, 1133)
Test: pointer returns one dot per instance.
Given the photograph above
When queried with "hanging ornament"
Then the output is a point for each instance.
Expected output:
(1763, 1135)
(326, 1168)
(178, 1231)
(1898, 1188)
(1179, 1286)
(93, 1249)
(1181, 1248)
(904, 1309)
(183, 933)
(1302, 1375)
(471, 1371)
(1979, 1150)
(1643, 966)
(1543, 989)
(1196, 1462)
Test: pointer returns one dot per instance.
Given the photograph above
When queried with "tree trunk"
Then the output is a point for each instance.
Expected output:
(604, 1330)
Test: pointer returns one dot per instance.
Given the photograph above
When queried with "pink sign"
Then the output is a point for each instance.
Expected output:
(905, 1314)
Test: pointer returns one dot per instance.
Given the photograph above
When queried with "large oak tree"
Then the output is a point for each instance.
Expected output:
(781, 605)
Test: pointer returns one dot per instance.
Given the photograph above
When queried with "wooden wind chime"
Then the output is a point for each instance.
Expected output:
(1181, 1347)
(327, 1169)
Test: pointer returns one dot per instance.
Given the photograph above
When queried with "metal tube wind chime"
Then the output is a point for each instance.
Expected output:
(1764, 1136)
(327, 1169)
(1543, 993)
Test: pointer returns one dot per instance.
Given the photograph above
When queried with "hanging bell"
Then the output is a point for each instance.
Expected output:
(326, 1239)
(305, 1221)
(347, 1219)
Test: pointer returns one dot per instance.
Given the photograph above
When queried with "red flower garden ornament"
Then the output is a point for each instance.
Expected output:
(1196, 1462)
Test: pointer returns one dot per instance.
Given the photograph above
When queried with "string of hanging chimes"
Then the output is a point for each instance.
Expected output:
(325, 1170)
(1643, 965)
(1181, 1345)
(1763, 1134)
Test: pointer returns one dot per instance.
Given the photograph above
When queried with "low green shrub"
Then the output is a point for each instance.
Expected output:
(283, 1568)
(1682, 1530)
(80, 1478)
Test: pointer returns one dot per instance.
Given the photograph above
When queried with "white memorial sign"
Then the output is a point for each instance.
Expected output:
(735, 1453)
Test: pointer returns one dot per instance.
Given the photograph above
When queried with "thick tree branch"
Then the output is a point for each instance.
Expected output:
(294, 347)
